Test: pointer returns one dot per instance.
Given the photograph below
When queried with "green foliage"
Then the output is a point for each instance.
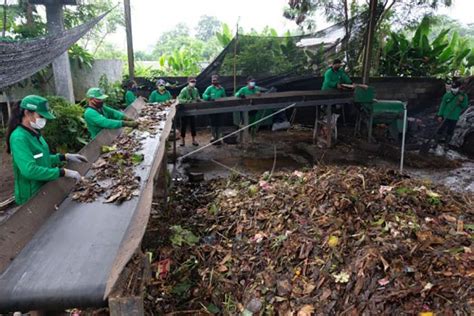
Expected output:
(265, 55)
(80, 56)
(182, 236)
(420, 56)
(113, 90)
(225, 36)
(184, 62)
(68, 132)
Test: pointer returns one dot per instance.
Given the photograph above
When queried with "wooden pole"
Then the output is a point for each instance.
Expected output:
(369, 42)
(128, 29)
(235, 58)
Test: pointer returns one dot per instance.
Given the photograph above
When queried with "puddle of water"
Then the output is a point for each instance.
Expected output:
(246, 165)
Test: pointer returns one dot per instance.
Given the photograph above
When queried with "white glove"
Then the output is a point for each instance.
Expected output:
(73, 174)
(76, 158)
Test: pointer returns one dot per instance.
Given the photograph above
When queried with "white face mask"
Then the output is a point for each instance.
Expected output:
(40, 123)
(454, 90)
(252, 84)
(192, 84)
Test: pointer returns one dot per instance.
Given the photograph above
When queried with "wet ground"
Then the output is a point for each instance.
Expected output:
(294, 149)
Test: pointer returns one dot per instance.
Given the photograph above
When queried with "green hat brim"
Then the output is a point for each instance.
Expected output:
(101, 97)
(47, 115)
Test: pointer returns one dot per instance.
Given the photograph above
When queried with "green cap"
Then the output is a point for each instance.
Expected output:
(96, 93)
(37, 104)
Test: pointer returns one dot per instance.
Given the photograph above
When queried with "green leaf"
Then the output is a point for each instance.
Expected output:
(213, 309)
(181, 288)
(137, 158)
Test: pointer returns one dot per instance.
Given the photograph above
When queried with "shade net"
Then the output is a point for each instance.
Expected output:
(21, 59)
(273, 60)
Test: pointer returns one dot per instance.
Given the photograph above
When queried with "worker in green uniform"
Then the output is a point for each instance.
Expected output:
(214, 92)
(189, 94)
(33, 164)
(251, 89)
(160, 95)
(131, 94)
(452, 105)
(99, 116)
(335, 77)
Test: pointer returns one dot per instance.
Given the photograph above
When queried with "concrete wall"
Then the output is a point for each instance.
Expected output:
(83, 78)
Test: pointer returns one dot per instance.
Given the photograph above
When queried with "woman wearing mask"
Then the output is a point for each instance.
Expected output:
(160, 95)
(131, 94)
(189, 94)
(99, 116)
(33, 164)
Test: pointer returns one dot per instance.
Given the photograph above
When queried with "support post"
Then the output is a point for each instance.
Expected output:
(246, 133)
(128, 29)
(61, 65)
(368, 43)
(402, 155)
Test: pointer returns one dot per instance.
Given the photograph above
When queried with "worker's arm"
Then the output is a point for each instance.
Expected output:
(345, 78)
(207, 94)
(26, 162)
(101, 121)
(184, 96)
(112, 113)
(153, 96)
(464, 102)
(57, 159)
(129, 98)
(239, 93)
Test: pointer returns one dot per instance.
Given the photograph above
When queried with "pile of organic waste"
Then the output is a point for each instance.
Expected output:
(113, 173)
(328, 241)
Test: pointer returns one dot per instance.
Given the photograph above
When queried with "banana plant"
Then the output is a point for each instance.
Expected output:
(420, 57)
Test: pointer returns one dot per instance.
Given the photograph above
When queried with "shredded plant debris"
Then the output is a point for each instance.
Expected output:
(326, 241)
(113, 174)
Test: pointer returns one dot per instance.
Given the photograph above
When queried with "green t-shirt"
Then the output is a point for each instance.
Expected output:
(33, 165)
(452, 105)
(130, 97)
(188, 95)
(333, 78)
(108, 118)
(213, 93)
(246, 91)
(157, 97)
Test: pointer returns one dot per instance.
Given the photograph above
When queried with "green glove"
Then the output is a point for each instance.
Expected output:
(132, 124)
(127, 118)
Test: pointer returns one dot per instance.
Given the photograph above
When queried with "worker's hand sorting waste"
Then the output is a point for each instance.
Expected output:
(73, 174)
(132, 124)
(128, 118)
(76, 158)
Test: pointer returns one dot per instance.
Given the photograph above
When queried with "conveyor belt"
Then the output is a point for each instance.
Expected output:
(77, 255)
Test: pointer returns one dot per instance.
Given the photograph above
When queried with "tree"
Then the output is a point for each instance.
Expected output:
(207, 27)
(401, 11)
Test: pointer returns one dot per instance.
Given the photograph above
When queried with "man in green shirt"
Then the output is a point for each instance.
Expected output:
(33, 163)
(160, 95)
(213, 92)
(189, 94)
(250, 89)
(335, 77)
(131, 94)
(452, 105)
(99, 116)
